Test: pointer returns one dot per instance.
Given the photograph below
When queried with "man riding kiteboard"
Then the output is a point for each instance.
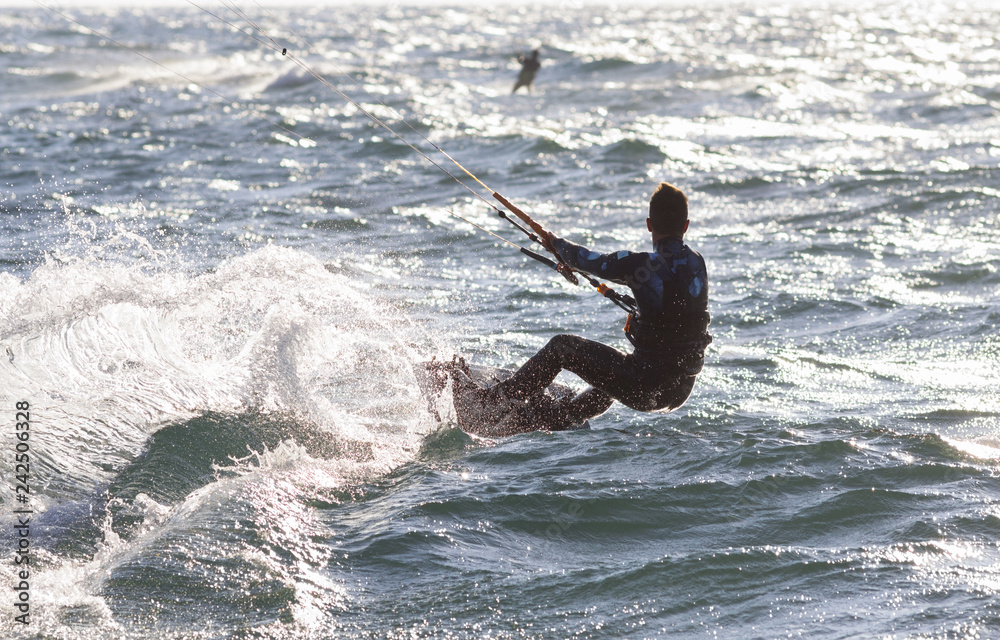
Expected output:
(668, 328)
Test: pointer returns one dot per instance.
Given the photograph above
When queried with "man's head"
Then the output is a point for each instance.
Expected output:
(668, 211)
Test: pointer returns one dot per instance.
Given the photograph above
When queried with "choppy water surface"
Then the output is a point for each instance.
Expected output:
(216, 276)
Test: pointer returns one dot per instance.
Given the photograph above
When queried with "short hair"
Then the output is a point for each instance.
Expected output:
(668, 210)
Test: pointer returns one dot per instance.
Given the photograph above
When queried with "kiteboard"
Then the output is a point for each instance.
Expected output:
(477, 414)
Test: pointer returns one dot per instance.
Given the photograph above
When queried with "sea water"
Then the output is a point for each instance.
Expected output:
(217, 274)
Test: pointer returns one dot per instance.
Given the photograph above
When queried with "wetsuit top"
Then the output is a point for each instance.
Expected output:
(670, 286)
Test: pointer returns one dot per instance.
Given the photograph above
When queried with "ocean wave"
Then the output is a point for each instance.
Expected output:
(114, 353)
(172, 400)
(606, 64)
(633, 151)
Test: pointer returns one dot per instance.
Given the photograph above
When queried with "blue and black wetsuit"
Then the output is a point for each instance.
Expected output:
(669, 334)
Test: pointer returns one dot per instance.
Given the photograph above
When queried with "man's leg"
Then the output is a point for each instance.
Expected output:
(587, 404)
(599, 365)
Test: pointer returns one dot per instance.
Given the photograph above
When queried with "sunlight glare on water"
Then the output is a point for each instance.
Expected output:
(218, 279)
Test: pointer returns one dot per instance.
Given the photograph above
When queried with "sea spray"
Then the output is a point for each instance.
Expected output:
(269, 371)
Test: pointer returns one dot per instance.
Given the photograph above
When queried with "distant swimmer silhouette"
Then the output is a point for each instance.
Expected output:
(529, 67)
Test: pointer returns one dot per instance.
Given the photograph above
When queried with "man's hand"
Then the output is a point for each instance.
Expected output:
(547, 239)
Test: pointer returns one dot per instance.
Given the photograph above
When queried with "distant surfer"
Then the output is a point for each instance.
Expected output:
(529, 67)
(669, 332)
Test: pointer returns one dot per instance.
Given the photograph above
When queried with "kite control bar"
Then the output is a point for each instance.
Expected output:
(543, 237)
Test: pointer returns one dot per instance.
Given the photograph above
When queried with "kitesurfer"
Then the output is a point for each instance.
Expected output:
(668, 332)
(529, 67)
